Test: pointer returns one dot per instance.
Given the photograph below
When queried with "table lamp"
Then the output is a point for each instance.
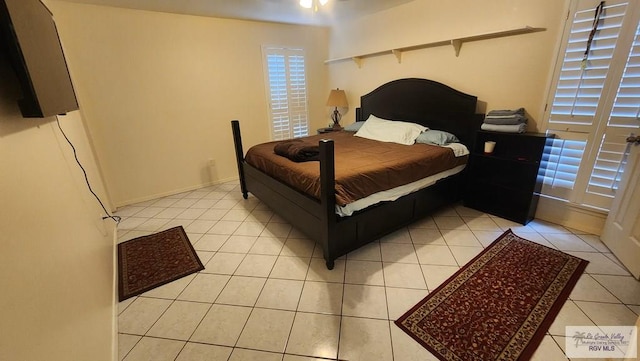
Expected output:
(337, 99)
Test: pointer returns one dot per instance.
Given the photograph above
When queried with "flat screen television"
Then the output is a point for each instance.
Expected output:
(28, 36)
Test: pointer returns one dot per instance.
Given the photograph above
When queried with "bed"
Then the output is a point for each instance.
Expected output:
(420, 101)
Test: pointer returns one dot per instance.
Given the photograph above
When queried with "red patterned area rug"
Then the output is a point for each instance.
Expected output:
(150, 261)
(498, 306)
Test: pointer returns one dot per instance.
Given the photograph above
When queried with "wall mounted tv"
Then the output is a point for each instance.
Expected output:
(29, 37)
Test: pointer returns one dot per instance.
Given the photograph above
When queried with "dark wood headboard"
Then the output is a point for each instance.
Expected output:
(426, 102)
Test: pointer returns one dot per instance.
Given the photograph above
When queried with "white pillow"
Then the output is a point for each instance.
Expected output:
(390, 131)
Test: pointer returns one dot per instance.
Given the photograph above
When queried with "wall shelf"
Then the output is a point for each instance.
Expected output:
(456, 43)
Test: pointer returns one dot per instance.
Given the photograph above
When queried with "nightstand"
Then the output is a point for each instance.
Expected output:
(505, 183)
(328, 130)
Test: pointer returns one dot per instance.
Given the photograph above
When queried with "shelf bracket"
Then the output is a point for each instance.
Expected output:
(358, 61)
(457, 44)
(398, 54)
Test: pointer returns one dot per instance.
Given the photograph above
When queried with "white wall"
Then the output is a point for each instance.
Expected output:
(159, 91)
(506, 72)
(56, 253)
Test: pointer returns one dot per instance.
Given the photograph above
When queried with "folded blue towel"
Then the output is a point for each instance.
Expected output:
(506, 128)
(505, 119)
(519, 111)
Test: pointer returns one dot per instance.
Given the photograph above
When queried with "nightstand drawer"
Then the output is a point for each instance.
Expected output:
(511, 175)
(517, 206)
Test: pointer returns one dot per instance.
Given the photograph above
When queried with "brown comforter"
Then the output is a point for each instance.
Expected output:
(362, 166)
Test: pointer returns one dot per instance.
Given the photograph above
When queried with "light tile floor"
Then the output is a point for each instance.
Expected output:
(266, 294)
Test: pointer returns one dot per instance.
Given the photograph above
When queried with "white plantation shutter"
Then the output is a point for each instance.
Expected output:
(609, 166)
(279, 102)
(298, 96)
(623, 121)
(287, 92)
(586, 159)
(560, 164)
(578, 90)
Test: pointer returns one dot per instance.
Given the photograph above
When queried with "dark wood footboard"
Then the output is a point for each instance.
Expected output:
(316, 218)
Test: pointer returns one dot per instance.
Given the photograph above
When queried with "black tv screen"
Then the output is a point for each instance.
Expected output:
(29, 37)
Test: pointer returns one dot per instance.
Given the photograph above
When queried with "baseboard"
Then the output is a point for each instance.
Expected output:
(172, 192)
(570, 215)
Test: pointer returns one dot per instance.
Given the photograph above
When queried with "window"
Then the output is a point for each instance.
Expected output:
(594, 104)
(287, 92)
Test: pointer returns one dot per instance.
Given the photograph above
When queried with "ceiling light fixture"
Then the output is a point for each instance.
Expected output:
(308, 4)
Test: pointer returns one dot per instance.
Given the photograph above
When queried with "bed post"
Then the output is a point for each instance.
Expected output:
(237, 141)
(328, 200)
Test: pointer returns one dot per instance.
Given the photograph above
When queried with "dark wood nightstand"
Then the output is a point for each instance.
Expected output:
(328, 130)
(505, 183)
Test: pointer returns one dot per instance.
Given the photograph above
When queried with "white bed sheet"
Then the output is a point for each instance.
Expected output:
(395, 193)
